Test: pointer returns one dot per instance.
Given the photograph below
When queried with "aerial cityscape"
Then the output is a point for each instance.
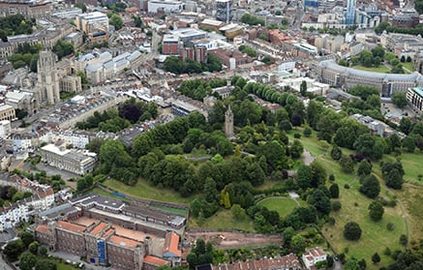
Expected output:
(211, 134)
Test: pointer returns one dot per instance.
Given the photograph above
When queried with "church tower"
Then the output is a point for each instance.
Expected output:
(229, 123)
(48, 80)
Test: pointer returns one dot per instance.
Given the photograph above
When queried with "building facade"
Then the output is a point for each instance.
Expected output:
(7, 112)
(415, 98)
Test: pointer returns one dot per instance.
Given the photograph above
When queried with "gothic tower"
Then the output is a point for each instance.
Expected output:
(48, 80)
(229, 123)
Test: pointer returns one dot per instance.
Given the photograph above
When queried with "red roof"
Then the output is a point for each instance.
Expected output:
(41, 228)
(172, 244)
(70, 226)
(155, 260)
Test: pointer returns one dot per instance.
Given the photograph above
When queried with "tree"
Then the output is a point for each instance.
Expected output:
(320, 201)
(43, 251)
(336, 152)
(406, 125)
(116, 21)
(82, 6)
(409, 143)
(375, 258)
(347, 164)
(334, 191)
(303, 88)
(370, 186)
(393, 174)
(304, 175)
(307, 132)
(63, 48)
(27, 238)
(336, 206)
(376, 211)
(287, 234)
(364, 168)
(352, 231)
(285, 125)
(403, 240)
(399, 99)
(296, 149)
(14, 249)
(33, 247)
(238, 212)
(27, 261)
(298, 244)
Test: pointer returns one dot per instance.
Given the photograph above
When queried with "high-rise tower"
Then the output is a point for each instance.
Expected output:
(350, 14)
(224, 10)
(48, 80)
(229, 123)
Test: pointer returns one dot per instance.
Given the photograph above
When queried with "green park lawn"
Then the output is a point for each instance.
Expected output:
(411, 163)
(409, 66)
(282, 205)
(147, 191)
(380, 69)
(375, 236)
(63, 266)
(223, 220)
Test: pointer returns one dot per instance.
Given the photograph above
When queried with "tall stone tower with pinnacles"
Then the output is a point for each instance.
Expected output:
(229, 123)
(48, 79)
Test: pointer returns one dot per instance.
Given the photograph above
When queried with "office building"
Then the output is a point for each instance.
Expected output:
(224, 10)
(78, 162)
(91, 23)
(350, 14)
(166, 6)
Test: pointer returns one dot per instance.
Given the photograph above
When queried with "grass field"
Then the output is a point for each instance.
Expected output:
(380, 69)
(409, 66)
(282, 205)
(63, 266)
(146, 191)
(375, 237)
(223, 220)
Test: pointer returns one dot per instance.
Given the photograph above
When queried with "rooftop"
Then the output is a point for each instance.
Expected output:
(155, 261)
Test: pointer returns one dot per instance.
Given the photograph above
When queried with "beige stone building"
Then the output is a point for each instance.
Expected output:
(7, 112)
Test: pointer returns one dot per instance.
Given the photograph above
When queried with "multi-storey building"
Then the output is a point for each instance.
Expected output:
(167, 6)
(7, 112)
(28, 8)
(93, 22)
(333, 74)
(224, 10)
(415, 98)
(78, 162)
(109, 232)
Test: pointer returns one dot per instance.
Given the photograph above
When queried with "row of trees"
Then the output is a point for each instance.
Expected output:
(15, 25)
(178, 66)
(199, 89)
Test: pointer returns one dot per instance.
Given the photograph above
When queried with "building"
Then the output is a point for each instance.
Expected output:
(7, 112)
(415, 98)
(125, 235)
(229, 123)
(170, 45)
(313, 256)
(11, 217)
(5, 129)
(78, 162)
(93, 22)
(311, 3)
(196, 53)
(350, 14)
(166, 6)
(22, 100)
(288, 262)
(344, 77)
(28, 8)
(48, 79)
(224, 10)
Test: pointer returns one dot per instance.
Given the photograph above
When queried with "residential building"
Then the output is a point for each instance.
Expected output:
(78, 162)
(313, 256)
(7, 112)
(5, 129)
(415, 98)
(166, 6)
(11, 217)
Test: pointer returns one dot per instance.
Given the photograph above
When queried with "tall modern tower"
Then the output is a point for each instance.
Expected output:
(224, 10)
(350, 15)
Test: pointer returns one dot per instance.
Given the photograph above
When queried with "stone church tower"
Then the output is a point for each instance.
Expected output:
(229, 123)
(48, 80)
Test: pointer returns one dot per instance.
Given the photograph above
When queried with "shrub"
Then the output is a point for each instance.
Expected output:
(336, 206)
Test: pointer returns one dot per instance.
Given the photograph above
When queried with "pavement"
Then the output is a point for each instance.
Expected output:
(4, 265)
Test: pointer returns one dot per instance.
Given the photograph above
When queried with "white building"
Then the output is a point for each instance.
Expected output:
(167, 6)
(313, 86)
(5, 129)
(13, 216)
(313, 256)
(92, 22)
(79, 141)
